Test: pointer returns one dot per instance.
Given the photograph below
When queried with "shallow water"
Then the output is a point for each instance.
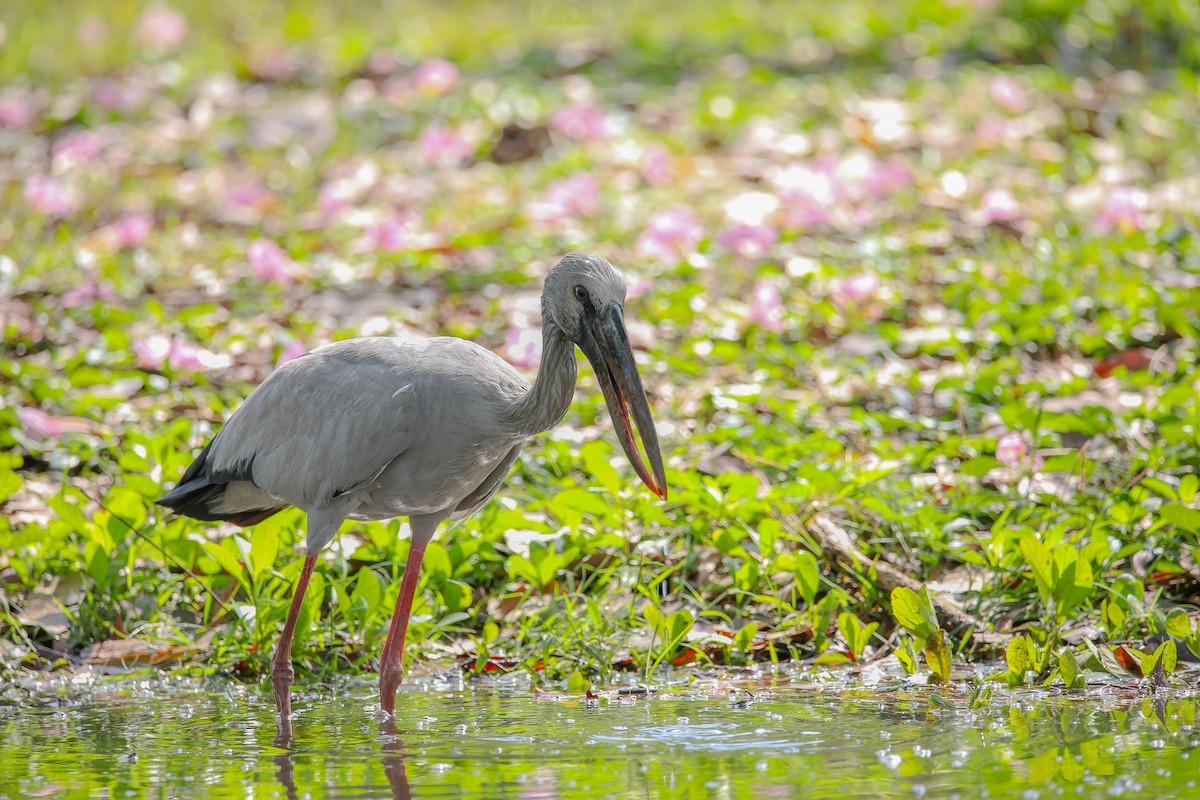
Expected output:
(171, 738)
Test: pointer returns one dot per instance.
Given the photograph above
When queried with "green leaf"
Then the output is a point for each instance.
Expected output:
(1016, 655)
(1179, 624)
(1188, 486)
(1037, 555)
(1068, 668)
(264, 546)
(1182, 517)
(906, 654)
(1167, 655)
(436, 564)
(228, 561)
(677, 626)
(808, 576)
(577, 684)
(10, 483)
(908, 609)
(937, 656)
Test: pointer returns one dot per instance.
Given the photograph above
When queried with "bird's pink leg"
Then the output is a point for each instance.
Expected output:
(281, 663)
(391, 663)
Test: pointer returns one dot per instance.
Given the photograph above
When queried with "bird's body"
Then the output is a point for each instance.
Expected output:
(378, 428)
(371, 411)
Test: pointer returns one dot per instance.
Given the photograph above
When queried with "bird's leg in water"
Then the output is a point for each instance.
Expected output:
(391, 663)
(281, 663)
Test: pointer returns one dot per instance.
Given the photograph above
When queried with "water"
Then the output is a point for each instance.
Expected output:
(189, 738)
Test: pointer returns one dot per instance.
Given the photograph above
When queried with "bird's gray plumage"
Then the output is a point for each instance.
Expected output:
(375, 428)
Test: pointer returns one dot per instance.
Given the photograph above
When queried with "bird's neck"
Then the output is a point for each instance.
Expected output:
(547, 402)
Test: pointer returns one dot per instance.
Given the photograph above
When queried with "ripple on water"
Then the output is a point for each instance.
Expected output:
(198, 738)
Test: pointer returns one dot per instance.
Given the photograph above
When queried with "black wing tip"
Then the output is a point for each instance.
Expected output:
(196, 499)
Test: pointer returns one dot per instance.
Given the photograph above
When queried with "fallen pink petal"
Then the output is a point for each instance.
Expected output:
(189, 356)
(16, 111)
(85, 293)
(441, 144)
(129, 232)
(1013, 451)
(163, 26)
(152, 352)
(435, 77)
(998, 205)
(37, 424)
(50, 195)
(857, 289)
(748, 241)
(766, 306)
(293, 349)
(565, 199)
(583, 123)
(270, 263)
(656, 165)
(1007, 93)
(1122, 211)
(393, 235)
(671, 235)
(523, 347)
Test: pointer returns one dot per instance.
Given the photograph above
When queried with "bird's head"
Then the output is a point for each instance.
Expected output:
(585, 297)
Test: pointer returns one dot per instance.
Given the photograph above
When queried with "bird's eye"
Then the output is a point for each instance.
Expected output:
(581, 294)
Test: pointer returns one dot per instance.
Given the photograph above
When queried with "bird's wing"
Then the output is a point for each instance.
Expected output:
(323, 424)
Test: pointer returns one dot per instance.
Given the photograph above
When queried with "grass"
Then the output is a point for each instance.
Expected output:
(958, 321)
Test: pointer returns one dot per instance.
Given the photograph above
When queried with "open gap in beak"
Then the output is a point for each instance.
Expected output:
(627, 404)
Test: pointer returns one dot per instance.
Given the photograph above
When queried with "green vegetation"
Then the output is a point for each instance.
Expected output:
(915, 285)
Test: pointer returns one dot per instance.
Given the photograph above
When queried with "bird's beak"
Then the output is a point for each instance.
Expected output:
(612, 358)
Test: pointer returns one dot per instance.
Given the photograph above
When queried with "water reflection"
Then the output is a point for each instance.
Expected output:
(180, 739)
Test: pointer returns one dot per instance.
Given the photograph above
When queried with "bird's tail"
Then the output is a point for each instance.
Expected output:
(199, 497)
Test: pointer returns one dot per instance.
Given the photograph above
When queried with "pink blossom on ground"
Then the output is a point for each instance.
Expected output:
(1007, 93)
(37, 424)
(749, 241)
(637, 285)
(1012, 450)
(113, 95)
(998, 205)
(162, 25)
(394, 235)
(766, 306)
(995, 131)
(86, 292)
(192, 357)
(293, 349)
(442, 144)
(128, 232)
(807, 194)
(857, 289)
(1122, 211)
(573, 196)
(270, 262)
(153, 351)
(77, 147)
(656, 165)
(15, 109)
(584, 123)
(49, 195)
(435, 77)
(523, 347)
(887, 177)
(671, 235)
(751, 208)
(246, 195)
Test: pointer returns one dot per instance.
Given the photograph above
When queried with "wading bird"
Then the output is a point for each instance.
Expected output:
(376, 428)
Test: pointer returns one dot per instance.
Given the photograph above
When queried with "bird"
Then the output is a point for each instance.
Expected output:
(380, 427)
